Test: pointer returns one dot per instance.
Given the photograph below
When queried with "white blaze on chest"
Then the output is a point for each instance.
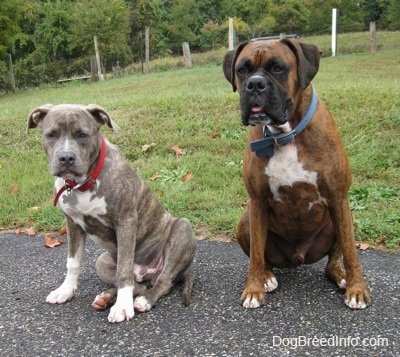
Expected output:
(85, 204)
(284, 169)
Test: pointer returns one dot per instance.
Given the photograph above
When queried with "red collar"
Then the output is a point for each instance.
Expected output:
(69, 185)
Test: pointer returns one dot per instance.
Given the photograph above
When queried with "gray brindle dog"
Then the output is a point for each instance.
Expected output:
(147, 250)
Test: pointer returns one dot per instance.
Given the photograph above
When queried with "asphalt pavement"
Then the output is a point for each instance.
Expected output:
(306, 316)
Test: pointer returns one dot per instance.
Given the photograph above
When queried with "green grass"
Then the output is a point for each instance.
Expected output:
(185, 107)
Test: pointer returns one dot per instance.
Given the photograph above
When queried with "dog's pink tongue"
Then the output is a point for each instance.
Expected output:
(256, 109)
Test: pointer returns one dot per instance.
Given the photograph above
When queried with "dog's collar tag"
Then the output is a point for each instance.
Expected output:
(68, 198)
(265, 147)
(88, 184)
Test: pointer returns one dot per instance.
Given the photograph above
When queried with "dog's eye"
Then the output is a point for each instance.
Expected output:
(277, 69)
(242, 70)
(50, 135)
(83, 135)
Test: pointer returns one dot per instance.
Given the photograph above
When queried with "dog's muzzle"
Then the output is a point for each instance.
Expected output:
(262, 103)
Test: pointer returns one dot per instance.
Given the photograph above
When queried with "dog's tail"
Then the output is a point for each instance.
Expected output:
(188, 280)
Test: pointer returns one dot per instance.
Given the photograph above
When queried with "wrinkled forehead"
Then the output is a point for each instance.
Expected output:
(69, 118)
(262, 51)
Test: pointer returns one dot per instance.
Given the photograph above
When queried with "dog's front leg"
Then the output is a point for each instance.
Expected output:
(126, 236)
(76, 248)
(260, 279)
(357, 293)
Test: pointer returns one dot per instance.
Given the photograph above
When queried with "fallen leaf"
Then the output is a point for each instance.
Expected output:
(178, 151)
(63, 230)
(14, 188)
(160, 194)
(35, 208)
(244, 204)
(30, 231)
(362, 246)
(51, 242)
(214, 135)
(155, 177)
(146, 147)
(17, 231)
(187, 177)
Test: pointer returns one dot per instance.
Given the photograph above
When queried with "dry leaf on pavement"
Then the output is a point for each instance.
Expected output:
(51, 242)
(363, 246)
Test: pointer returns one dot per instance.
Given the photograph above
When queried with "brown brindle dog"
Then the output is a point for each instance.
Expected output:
(295, 170)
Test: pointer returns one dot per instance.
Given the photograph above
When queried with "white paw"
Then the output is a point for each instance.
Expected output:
(121, 313)
(251, 303)
(123, 308)
(270, 285)
(342, 284)
(353, 304)
(141, 304)
(64, 293)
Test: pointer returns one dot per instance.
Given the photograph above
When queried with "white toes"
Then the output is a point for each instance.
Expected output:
(123, 308)
(120, 313)
(61, 295)
(141, 304)
(353, 304)
(251, 303)
(270, 285)
(342, 284)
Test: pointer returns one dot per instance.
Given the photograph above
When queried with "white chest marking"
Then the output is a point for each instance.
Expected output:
(85, 204)
(284, 169)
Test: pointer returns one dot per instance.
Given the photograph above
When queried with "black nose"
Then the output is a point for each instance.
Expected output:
(257, 84)
(66, 157)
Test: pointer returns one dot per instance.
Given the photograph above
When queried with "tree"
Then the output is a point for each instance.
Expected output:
(291, 16)
(9, 16)
(394, 15)
(182, 23)
(373, 9)
(144, 13)
(52, 34)
(350, 16)
(109, 21)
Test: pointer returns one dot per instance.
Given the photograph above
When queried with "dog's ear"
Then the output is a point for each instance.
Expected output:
(37, 116)
(308, 57)
(228, 64)
(102, 116)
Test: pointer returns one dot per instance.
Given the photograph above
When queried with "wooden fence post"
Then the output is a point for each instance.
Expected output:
(372, 31)
(147, 48)
(93, 69)
(230, 34)
(96, 48)
(186, 54)
(10, 66)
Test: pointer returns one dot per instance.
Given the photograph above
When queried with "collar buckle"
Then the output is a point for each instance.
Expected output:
(278, 137)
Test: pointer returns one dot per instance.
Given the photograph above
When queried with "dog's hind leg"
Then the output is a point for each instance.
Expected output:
(334, 268)
(179, 254)
(106, 269)
(105, 299)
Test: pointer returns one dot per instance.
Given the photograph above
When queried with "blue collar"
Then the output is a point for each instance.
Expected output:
(265, 147)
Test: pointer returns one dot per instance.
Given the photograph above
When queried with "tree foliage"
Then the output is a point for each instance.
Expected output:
(49, 39)
(9, 27)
